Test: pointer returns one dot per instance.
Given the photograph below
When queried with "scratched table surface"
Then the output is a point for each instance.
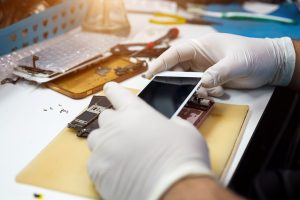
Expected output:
(30, 117)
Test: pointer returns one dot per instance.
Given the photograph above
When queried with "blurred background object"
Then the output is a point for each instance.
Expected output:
(151, 6)
(183, 3)
(108, 16)
(12, 11)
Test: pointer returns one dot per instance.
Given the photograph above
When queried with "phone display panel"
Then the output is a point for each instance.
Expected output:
(167, 94)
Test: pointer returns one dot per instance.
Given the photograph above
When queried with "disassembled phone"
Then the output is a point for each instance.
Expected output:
(195, 111)
(92, 78)
(170, 93)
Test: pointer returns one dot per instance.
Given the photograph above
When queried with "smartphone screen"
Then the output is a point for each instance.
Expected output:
(166, 94)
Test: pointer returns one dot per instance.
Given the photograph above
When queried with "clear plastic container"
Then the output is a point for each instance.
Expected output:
(107, 16)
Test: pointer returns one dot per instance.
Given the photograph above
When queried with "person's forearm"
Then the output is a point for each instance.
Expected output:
(295, 82)
(197, 188)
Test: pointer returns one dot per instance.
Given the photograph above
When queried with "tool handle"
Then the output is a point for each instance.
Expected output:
(172, 34)
(256, 16)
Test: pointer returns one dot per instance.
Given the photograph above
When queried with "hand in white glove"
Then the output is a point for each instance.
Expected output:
(138, 153)
(231, 60)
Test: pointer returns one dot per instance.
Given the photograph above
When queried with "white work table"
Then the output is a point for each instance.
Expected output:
(26, 128)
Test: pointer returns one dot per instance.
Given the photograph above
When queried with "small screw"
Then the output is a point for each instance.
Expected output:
(63, 110)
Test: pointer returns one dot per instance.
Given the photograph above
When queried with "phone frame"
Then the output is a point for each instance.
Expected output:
(180, 74)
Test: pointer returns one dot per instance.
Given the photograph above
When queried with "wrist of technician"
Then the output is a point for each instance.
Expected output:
(166, 181)
(286, 60)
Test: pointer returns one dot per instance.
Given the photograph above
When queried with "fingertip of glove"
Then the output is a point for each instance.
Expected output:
(109, 85)
(154, 67)
(147, 75)
(91, 140)
(202, 92)
(216, 91)
(113, 90)
(180, 121)
(207, 81)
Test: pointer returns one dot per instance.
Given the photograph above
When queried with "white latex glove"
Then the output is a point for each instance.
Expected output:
(137, 153)
(231, 60)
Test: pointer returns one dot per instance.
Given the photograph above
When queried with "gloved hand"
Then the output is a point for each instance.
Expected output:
(231, 60)
(138, 153)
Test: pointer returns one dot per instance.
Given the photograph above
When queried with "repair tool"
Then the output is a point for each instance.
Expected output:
(169, 19)
(240, 15)
(149, 49)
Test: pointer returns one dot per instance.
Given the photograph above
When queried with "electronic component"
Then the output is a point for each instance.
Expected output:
(199, 103)
(120, 71)
(13, 80)
(87, 121)
(196, 110)
(103, 71)
(88, 129)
